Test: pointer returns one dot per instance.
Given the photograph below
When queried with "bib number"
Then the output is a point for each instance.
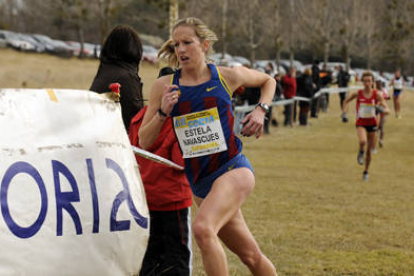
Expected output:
(200, 133)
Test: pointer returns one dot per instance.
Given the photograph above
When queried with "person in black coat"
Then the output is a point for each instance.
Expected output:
(343, 80)
(316, 86)
(304, 89)
(119, 62)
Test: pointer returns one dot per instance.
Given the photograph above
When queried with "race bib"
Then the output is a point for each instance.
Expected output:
(366, 111)
(200, 133)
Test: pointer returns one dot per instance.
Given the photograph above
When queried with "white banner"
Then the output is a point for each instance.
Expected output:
(71, 196)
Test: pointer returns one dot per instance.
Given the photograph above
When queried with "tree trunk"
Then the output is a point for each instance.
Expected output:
(326, 52)
(291, 57)
(251, 41)
(278, 50)
(347, 58)
(81, 41)
(173, 14)
(223, 29)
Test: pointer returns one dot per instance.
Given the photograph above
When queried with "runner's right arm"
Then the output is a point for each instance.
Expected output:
(351, 96)
(161, 100)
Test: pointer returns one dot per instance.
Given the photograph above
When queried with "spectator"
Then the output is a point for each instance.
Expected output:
(305, 89)
(269, 69)
(169, 199)
(343, 80)
(326, 79)
(277, 97)
(316, 86)
(289, 91)
(119, 62)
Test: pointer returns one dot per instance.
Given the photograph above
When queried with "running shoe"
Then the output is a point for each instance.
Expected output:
(374, 150)
(365, 176)
(380, 143)
(360, 157)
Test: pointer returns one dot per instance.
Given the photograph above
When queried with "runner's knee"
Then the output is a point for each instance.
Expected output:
(252, 258)
(203, 234)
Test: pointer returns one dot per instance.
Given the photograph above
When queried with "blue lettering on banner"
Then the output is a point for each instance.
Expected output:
(95, 203)
(122, 196)
(12, 171)
(65, 200)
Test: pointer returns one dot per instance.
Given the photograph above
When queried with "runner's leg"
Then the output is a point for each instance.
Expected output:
(238, 238)
(371, 142)
(228, 193)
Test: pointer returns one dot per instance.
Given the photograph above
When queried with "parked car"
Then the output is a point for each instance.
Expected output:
(46, 41)
(149, 54)
(261, 66)
(218, 59)
(14, 41)
(62, 49)
(296, 63)
(3, 42)
(39, 47)
(242, 60)
(94, 49)
(76, 49)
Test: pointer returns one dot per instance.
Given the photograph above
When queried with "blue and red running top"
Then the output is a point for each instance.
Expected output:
(212, 94)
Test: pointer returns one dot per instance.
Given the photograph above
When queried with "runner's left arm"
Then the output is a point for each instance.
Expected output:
(381, 102)
(242, 76)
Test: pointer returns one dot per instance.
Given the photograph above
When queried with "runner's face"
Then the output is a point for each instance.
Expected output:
(367, 81)
(188, 47)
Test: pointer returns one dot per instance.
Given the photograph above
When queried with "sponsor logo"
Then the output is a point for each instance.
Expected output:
(208, 89)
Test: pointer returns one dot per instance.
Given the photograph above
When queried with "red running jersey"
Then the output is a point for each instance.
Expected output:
(365, 108)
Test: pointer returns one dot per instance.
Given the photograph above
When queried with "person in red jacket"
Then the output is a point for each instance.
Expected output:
(289, 91)
(169, 198)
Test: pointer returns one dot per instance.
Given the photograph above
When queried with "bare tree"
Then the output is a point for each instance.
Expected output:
(292, 41)
(106, 11)
(251, 26)
(369, 30)
(318, 22)
(10, 11)
(224, 28)
(276, 31)
(349, 19)
(75, 14)
(396, 31)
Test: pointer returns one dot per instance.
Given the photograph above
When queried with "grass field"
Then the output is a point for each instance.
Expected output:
(310, 211)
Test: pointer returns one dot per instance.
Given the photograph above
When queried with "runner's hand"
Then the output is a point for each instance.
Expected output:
(169, 98)
(380, 109)
(253, 123)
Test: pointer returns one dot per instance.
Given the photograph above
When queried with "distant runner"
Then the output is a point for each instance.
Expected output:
(398, 83)
(368, 102)
(382, 116)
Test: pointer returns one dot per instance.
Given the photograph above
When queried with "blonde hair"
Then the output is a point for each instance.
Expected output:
(367, 74)
(167, 52)
(308, 71)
